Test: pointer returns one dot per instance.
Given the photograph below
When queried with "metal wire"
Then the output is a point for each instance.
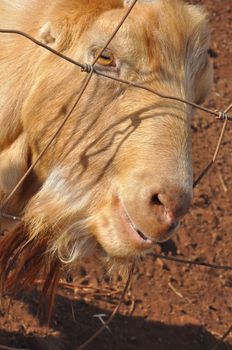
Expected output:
(210, 165)
(190, 262)
(85, 68)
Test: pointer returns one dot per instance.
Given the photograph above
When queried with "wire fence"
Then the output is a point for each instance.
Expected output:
(90, 70)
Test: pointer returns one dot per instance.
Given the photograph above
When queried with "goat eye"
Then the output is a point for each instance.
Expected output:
(105, 59)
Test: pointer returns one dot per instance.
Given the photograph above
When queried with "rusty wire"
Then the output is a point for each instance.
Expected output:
(85, 67)
(210, 165)
(190, 262)
(91, 69)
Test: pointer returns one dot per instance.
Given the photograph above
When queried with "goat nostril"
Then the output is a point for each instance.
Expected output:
(155, 200)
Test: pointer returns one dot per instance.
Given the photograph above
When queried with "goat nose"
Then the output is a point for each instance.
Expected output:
(175, 203)
(156, 209)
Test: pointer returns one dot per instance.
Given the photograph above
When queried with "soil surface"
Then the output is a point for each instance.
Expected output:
(169, 306)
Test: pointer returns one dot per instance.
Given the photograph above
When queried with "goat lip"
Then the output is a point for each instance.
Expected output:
(137, 235)
(129, 226)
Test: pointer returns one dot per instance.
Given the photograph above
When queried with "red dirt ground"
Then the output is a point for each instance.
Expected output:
(170, 306)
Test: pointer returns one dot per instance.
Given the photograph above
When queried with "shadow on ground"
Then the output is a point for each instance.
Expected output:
(74, 326)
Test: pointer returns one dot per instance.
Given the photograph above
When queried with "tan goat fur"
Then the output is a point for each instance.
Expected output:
(117, 143)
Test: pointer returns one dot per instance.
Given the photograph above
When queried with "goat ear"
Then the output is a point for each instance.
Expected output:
(13, 163)
(46, 34)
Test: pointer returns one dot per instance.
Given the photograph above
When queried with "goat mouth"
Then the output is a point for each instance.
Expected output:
(142, 235)
(130, 227)
(139, 236)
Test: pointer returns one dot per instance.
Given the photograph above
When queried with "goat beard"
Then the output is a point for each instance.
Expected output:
(21, 262)
(48, 246)
(25, 258)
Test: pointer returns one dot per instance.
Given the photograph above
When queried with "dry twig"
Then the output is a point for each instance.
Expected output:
(174, 290)
(224, 187)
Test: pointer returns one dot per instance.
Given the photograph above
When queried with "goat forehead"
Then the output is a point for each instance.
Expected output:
(158, 28)
(108, 21)
(130, 45)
